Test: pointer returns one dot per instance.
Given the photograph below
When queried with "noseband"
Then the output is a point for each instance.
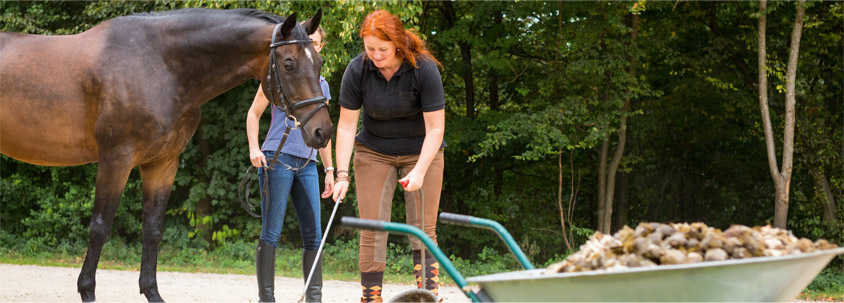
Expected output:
(273, 72)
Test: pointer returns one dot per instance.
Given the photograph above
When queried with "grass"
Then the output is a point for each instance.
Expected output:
(339, 260)
(827, 286)
(66, 260)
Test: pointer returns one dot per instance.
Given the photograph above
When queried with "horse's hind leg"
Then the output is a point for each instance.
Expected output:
(111, 179)
(157, 184)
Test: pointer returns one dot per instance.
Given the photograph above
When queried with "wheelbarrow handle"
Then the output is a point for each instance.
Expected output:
(502, 233)
(364, 224)
(456, 219)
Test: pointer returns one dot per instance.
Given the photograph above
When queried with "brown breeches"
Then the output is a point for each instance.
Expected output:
(376, 178)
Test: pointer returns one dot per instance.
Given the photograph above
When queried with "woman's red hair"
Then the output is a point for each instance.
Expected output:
(387, 27)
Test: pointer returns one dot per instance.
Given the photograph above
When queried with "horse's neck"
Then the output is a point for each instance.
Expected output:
(212, 59)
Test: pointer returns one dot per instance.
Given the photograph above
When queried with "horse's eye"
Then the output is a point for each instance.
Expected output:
(288, 66)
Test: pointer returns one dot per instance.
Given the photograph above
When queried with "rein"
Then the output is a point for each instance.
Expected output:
(288, 110)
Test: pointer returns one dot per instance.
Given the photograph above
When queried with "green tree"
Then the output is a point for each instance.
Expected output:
(533, 91)
(782, 178)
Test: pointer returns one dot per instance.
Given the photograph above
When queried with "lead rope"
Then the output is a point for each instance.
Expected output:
(293, 168)
(246, 181)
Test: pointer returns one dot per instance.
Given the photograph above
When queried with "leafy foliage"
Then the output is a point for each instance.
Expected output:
(524, 82)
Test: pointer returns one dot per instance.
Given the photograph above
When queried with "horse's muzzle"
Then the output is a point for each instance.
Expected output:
(321, 135)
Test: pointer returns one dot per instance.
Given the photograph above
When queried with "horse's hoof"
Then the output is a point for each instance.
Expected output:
(87, 296)
(153, 296)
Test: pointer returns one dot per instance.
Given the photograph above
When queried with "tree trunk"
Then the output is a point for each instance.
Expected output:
(573, 196)
(761, 51)
(560, 198)
(493, 105)
(498, 179)
(606, 206)
(829, 211)
(448, 12)
(602, 183)
(781, 206)
(466, 57)
(494, 101)
(557, 51)
(782, 179)
(468, 80)
(781, 211)
(623, 194)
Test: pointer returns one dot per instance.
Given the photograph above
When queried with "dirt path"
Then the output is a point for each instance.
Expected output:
(27, 283)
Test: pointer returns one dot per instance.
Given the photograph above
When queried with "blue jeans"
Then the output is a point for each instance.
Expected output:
(302, 186)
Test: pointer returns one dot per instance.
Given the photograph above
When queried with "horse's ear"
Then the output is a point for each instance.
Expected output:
(288, 25)
(312, 24)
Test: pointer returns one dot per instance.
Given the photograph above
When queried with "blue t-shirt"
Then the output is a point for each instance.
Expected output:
(295, 145)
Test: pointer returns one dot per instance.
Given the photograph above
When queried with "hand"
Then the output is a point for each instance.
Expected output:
(413, 181)
(329, 185)
(339, 190)
(256, 156)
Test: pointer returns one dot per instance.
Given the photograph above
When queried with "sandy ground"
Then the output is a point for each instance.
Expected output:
(27, 283)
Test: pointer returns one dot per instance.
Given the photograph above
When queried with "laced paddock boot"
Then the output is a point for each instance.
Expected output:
(371, 284)
(314, 290)
(432, 271)
(265, 269)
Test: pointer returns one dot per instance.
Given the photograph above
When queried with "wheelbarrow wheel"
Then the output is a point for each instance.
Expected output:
(415, 295)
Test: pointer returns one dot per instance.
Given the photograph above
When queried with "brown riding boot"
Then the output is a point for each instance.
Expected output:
(371, 284)
(432, 271)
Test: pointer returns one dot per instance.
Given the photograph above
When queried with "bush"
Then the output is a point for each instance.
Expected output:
(830, 280)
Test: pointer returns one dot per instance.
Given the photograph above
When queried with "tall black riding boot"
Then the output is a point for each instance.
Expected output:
(314, 292)
(265, 268)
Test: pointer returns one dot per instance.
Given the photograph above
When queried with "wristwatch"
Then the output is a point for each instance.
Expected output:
(328, 169)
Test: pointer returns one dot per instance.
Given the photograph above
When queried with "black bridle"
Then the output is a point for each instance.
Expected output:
(285, 106)
(273, 72)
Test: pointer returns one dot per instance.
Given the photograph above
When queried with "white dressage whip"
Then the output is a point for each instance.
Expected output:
(319, 251)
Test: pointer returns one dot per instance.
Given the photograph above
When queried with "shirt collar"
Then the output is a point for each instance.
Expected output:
(405, 66)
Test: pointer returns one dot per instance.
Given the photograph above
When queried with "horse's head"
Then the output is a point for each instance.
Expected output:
(293, 82)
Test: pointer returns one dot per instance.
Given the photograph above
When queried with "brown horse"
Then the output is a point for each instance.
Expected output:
(128, 93)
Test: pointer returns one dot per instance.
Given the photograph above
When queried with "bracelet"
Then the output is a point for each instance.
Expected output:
(342, 171)
(328, 169)
(343, 178)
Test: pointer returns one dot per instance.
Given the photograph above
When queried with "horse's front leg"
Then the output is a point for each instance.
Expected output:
(157, 184)
(111, 179)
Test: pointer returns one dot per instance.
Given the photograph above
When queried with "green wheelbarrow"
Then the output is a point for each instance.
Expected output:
(761, 279)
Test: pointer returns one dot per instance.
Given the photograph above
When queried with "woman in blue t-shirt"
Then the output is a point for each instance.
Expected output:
(296, 176)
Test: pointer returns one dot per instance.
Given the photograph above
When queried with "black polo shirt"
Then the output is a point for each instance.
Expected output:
(392, 111)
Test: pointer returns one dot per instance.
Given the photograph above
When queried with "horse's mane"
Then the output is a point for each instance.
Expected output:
(204, 13)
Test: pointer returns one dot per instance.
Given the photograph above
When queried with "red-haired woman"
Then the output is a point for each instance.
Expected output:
(397, 83)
